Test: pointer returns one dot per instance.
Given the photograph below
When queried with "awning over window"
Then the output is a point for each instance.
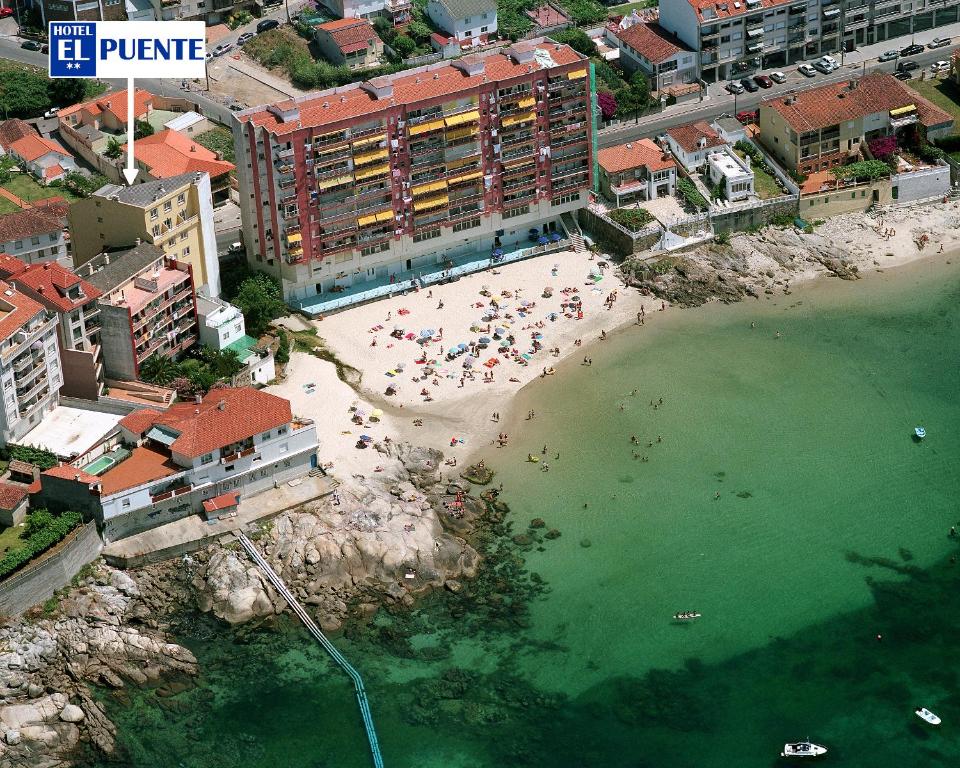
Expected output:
(364, 220)
(433, 202)
(369, 140)
(367, 173)
(369, 157)
(527, 102)
(463, 117)
(433, 125)
(514, 119)
(433, 186)
(576, 75)
(903, 110)
(294, 237)
(335, 182)
(385, 215)
(465, 177)
(461, 133)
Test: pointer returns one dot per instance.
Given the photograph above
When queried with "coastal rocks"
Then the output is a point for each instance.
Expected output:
(72, 714)
(477, 474)
(234, 589)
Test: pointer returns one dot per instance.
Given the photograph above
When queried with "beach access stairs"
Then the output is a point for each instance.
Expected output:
(573, 232)
(329, 647)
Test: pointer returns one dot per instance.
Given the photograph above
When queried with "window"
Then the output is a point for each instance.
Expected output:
(484, 29)
(18, 244)
(427, 235)
(53, 237)
(168, 206)
(468, 224)
(183, 236)
(153, 214)
(228, 468)
(125, 503)
(511, 212)
(237, 327)
(186, 251)
(34, 241)
(181, 199)
(206, 458)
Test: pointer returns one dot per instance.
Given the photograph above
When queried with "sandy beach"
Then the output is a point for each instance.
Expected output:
(437, 364)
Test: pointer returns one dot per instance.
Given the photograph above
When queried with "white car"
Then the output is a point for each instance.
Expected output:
(823, 66)
(778, 77)
(51, 112)
(806, 70)
(940, 66)
(834, 64)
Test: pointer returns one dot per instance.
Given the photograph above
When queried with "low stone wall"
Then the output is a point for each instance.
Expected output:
(921, 184)
(754, 216)
(615, 238)
(845, 199)
(38, 581)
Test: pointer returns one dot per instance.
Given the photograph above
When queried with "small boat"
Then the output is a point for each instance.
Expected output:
(686, 615)
(925, 714)
(920, 432)
(803, 749)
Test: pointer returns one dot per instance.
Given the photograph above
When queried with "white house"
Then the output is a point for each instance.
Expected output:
(691, 143)
(222, 327)
(649, 48)
(473, 21)
(234, 442)
(734, 174)
(42, 157)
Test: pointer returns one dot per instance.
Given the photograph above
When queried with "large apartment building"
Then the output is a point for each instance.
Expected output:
(30, 375)
(736, 38)
(406, 171)
(175, 214)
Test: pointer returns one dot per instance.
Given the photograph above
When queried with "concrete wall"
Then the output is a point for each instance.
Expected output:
(921, 184)
(615, 238)
(37, 582)
(845, 200)
(117, 344)
(79, 374)
(754, 216)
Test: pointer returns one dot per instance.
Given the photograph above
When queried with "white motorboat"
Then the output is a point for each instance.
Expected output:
(925, 714)
(686, 615)
(920, 432)
(803, 749)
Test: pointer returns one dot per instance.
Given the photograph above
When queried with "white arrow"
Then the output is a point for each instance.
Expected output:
(130, 172)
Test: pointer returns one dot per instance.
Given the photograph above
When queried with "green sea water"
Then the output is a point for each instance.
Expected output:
(831, 528)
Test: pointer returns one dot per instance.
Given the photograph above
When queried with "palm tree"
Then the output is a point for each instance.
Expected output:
(158, 369)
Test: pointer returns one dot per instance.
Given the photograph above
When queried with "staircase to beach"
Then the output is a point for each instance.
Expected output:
(573, 232)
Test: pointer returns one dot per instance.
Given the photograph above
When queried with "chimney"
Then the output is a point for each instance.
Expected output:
(137, 241)
(222, 405)
(106, 259)
(629, 145)
(197, 399)
(77, 478)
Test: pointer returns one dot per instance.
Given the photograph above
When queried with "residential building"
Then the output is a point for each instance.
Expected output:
(649, 48)
(233, 441)
(14, 500)
(74, 302)
(734, 39)
(30, 374)
(147, 307)
(82, 10)
(638, 170)
(175, 214)
(691, 143)
(222, 327)
(107, 112)
(140, 10)
(815, 129)
(472, 21)
(410, 170)
(41, 157)
(731, 174)
(396, 11)
(168, 153)
(36, 234)
(349, 42)
(13, 130)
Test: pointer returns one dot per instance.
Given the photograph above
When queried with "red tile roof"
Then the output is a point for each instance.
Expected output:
(69, 472)
(114, 103)
(651, 41)
(224, 501)
(140, 421)
(636, 154)
(11, 495)
(14, 129)
(42, 220)
(10, 265)
(206, 427)
(51, 283)
(711, 10)
(53, 171)
(170, 153)
(408, 88)
(688, 136)
(32, 148)
(349, 34)
(817, 108)
(23, 310)
(143, 465)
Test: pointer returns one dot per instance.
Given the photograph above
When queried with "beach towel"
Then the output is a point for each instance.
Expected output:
(390, 373)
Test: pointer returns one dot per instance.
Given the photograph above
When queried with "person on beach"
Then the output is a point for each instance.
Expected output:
(717, 495)
(778, 335)
(440, 305)
(603, 335)
(663, 306)
(544, 451)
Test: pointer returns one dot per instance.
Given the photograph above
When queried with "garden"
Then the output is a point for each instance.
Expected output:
(39, 533)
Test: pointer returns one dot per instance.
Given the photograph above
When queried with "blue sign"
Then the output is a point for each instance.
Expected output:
(73, 49)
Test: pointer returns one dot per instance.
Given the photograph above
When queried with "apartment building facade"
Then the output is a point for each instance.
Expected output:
(36, 234)
(74, 303)
(174, 214)
(148, 307)
(735, 39)
(30, 373)
(234, 441)
(406, 171)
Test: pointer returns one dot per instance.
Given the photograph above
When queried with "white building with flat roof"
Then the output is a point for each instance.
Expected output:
(735, 174)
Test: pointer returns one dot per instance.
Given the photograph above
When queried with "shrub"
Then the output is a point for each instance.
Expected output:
(882, 147)
(634, 219)
(690, 194)
(797, 176)
(36, 456)
(864, 169)
(39, 541)
(608, 105)
(283, 349)
(930, 154)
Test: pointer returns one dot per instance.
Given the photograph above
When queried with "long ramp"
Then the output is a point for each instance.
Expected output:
(329, 647)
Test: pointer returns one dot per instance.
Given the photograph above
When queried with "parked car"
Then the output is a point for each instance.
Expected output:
(907, 66)
(749, 85)
(246, 37)
(734, 87)
(237, 107)
(208, 56)
(52, 112)
(763, 81)
(30, 45)
(822, 66)
(222, 49)
(778, 77)
(940, 66)
(834, 64)
(748, 117)
(45, 48)
(938, 42)
(911, 50)
(266, 24)
(4, 12)
(903, 76)
(888, 56)
(806, 70)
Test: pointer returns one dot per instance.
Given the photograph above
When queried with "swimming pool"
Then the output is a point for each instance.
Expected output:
(99, 466)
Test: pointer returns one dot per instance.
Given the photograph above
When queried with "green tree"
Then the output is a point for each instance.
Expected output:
(7, 164)
(158, 369)
(203, 380)
(640, 86)
(283, 348)
(223, 364)
(23, 93)
(261, 302)
(403, 45)
(384, 29)
(419, 31)
(114, 148)
(142, 129)
(37, 521)
(577, 39)
(64, 91)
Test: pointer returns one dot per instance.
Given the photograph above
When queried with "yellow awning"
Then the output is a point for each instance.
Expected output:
(295, 252)
(433, 125)
(465, 177)
(527, 102)
(335, 182)
(461, 133)
(331, 150)
(367, 173)
(577, 74)
(462, 162)
(294, 237)
(364, 220)
(433, 186)
(463, 117)
(433, 202)
(514, 119)
(903, 110)
(369, 140)
(369, 157)
(385, 215)
(323, 137)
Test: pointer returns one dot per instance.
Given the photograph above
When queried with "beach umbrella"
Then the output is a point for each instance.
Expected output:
(366, 438)
(400, 366)
(542, 240)
(498, 331)
(498, 252)
(484, 339)
(453, 351)
(426, 332)
(552, 316)
(376, 413)
(398, 329)
(524, 303)
(555, 237)
(538, 336)
(461, 346)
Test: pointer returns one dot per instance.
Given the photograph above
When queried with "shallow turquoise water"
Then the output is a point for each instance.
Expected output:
(831, 528)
